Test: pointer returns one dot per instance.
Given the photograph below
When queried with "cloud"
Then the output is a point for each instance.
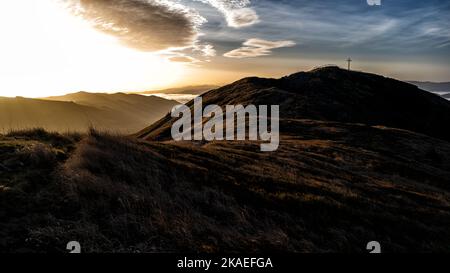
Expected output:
(146, 25)
(182, 59)
(236, 12)
(198, 53)
(206, 50)
(257, 47)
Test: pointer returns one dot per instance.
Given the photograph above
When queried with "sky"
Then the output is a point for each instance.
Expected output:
(53, 47)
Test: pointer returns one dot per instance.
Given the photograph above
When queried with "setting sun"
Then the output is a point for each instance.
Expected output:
(45, 50)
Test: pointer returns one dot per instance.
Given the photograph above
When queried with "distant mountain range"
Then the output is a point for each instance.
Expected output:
(77, 112)
(187, 90)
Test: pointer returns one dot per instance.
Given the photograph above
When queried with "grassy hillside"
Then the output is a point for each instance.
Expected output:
(332, 188)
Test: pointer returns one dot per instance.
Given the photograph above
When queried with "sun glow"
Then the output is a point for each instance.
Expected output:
(46, 51)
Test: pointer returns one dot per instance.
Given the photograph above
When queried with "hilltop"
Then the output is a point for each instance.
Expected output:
(333, 94)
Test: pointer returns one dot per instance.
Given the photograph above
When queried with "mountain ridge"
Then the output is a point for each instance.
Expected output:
(333, 94)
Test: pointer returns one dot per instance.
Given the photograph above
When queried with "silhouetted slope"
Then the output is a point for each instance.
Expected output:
(333, 94)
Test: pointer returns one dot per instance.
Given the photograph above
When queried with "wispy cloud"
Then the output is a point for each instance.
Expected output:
(182, 59)
(206, 50)
(236, 12)
(198, 53)
(257, 47)
(396, 26)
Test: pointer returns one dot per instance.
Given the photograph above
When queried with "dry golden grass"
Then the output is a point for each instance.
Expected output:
(331, 193)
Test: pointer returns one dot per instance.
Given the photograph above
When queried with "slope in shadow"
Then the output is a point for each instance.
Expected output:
(333, 94)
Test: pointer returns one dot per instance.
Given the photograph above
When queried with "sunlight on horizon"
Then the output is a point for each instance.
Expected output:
(47, 51)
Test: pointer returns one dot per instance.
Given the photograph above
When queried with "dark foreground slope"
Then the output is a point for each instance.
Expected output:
(331, 188)
(334, 94)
